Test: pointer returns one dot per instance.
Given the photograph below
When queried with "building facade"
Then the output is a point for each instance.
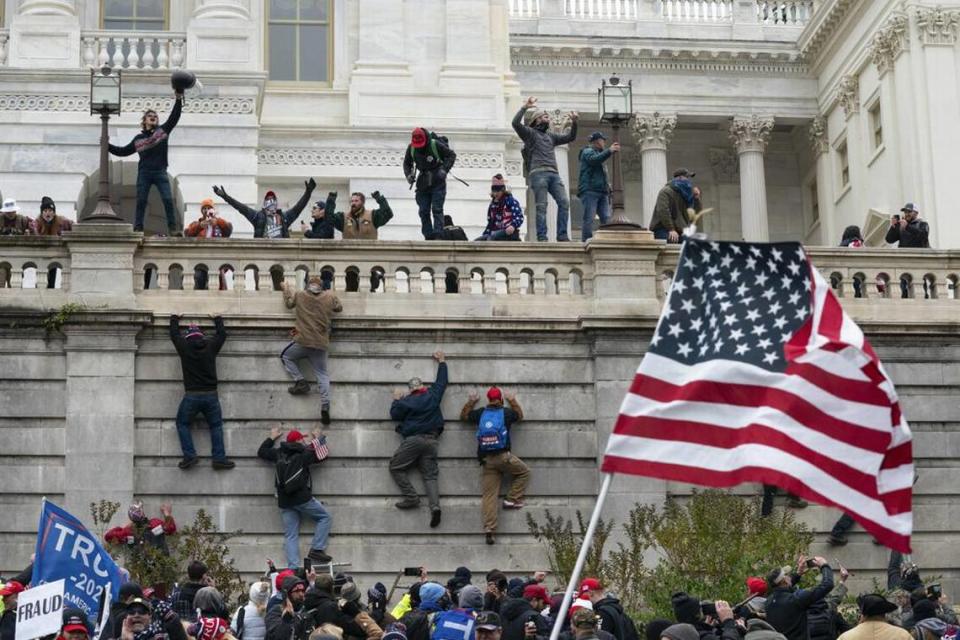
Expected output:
(800, 117)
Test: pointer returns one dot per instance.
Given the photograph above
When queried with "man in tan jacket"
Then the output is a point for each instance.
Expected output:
(873, 622)
(313, 311)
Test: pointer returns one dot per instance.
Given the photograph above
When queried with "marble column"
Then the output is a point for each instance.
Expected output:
(820, 145)
(652, 133)
(221, 35)
(48, 7)
(750, 136)
(44, 34)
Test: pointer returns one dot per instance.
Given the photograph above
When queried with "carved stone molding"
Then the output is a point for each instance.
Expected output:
(48, 7)
(560, 122)
(369, 158)
(817, 134)
(725, 165)
(938, 26)
(751, 133)
(232, 9)
(848, 95)
(40, 102)
(653, 131)
(889, 42)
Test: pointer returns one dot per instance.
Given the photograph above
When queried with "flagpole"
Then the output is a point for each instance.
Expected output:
(582, 558)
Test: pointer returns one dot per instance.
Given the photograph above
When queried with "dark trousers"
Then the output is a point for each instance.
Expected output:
(146, 178)
(431, 202)
(844, 524)
(209, 405)
(769, 493)
(421, 451)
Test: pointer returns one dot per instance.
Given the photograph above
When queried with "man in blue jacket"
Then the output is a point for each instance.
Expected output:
(593, 188)
(787, 606)
(420, 425)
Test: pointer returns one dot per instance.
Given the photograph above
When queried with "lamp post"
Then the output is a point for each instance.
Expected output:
(105, 100)
(615, 106)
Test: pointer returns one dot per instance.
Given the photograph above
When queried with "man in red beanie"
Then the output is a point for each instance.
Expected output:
(493, 449)
(295, 491)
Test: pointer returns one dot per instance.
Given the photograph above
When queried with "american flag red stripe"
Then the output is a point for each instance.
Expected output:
(824, 424)
(320, 448)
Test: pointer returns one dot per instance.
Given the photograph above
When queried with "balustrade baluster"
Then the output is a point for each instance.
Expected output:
(147, 57)
(89, 56)
(133, 57)
(117, 61)
(163, 59)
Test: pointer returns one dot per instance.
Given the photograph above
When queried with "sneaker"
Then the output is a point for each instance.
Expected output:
(224, 465)
(319, 556)
(325, 414)
(186, 463)
(173, 232)
(490, 539)
(408, 503)
(836, 541)
(299, 388)
(514, 504)
(435, 518)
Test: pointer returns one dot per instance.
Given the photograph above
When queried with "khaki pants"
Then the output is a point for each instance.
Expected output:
(494, 466)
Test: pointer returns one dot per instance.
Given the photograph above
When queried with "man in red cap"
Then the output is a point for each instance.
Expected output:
(613, 619)
(270, 221)
(295, 491)
(8, 621)
(428, 160)
(74, 625)
(521, 616)
(493, 449)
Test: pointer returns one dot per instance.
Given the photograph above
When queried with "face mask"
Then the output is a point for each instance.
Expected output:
(542, 126)
(270, 204)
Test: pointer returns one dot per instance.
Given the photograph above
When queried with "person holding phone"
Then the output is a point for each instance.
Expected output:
(786, 605)
(909, 231)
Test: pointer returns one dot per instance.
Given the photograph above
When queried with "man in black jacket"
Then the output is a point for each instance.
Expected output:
(294, 488)
(909, 231)
(321, 225)
(321, 606)
(151, 144)
(270, 221)
(283, 622)
(712, 620)
(197, 578)
(432, 158)
(198, 361)
(515, 613)
(786, 606)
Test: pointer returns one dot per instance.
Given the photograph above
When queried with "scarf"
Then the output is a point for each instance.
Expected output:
(684, 188)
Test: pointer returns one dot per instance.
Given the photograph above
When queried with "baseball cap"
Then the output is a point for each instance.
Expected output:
(536, 591)
(493, 393)
(295, 436)
(756, 586)
(683, 172)
(11, 588)
(910, 208)
(206, 202)
(140, 602)
(74, 620)
(596, 135)
(583, 618)
(488, 620)
(590, 584)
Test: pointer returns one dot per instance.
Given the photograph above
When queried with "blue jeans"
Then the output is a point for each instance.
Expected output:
(501, 235)
(209, 405)
(661, 234)
(291, 529)
(145, 179)
(431, 201)
(594, 203)
(542, 183)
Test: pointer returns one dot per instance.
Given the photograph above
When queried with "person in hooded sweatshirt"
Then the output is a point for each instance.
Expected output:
(718, 625)
(461, 578)
(515, 613)
(419, 621)
(249, 620)
(198, 360)
(270, 221)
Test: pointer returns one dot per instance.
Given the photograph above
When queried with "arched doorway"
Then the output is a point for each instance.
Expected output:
(123, 197)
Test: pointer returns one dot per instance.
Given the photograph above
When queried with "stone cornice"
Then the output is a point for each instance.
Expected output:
(653, 131)
(81, 103)
(824, 24)
(937, 26)
(751, 133)
(890, 41)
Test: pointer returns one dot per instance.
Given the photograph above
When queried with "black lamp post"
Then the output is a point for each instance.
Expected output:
(615, 106)
(104, 99)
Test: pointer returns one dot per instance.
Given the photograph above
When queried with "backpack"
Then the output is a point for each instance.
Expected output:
(455, 624)
(627, 630)
(492, 434)
(241, 614)
(418, 624)
(291, 475)
(820, 625)
(432, 138)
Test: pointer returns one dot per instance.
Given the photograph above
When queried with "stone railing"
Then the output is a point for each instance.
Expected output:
(4, 46)
(695, 10)
(785, 12)
(133, 49)
(772, 12)
(26, 262)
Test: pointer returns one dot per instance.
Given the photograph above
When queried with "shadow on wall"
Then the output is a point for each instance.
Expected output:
(123, 197)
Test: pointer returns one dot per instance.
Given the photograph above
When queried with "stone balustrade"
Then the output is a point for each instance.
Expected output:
(768, 12)
(133, 49)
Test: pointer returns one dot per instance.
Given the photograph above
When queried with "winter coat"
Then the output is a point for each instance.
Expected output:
(364, 225)
(258, 218)
(502, 213)
(419, 412)
(16, 226)
(611, 615)
(759, 629)
(152, 145)
(726, 631)
(313, 314)
(539, 144)
(254, 624)
(55, 227)
(432, 167)
(280, 626)
(8, 624)
(183, 603)
(874, 630)
(220, 229)
(320, 229)
(198, 357)
(322, 608)
(916, 235)
(593, 175)
(787, 608)
(127, 533)
(670, 212)
(514, 614)
(308, 456)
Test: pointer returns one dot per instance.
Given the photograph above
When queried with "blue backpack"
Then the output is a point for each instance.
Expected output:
(455, 624)
(492, 434)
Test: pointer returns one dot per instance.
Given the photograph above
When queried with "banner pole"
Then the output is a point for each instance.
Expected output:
(560, 618)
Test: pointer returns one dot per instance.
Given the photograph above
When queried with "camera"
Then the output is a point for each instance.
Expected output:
(413, 572)
(708, 608)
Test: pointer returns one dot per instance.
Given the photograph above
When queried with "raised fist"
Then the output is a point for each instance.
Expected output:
(310, 184)
(376, 195)
(218, 190)
(530, 103)
(332, 194)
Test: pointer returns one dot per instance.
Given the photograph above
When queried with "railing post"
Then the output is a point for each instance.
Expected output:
(101, 264)
(625, 272)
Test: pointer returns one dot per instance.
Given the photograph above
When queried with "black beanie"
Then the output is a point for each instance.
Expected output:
(654, 629)
(685, 607)
(46, 202)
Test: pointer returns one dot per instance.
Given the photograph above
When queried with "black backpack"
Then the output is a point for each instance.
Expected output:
(628, 631)
(432, 138)
(241, 614)
(292, 476)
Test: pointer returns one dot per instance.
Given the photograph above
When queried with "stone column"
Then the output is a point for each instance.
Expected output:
(221, 36)
(652, 134)
(750, 135)
(820, 145)
(101, 264)
(45, 34)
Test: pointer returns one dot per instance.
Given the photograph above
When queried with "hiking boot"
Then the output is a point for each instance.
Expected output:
(796, 503)
(186, 463)
(319, 556)
(408, 503)
(490, 539)
(836, 540)
(299, 388)
(325, 414)
(514, 504)
(435, 518)
(224, 465)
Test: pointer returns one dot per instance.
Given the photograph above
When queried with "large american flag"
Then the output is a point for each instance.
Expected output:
(755, 374)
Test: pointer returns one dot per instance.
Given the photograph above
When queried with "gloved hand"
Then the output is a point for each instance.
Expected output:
(218, 190)
(332, 194)
(163, 611)
(310, 184)
(376, 195)
(410, 178)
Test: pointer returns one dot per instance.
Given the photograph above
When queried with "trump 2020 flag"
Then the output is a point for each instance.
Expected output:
(67, 550)
(756, 374)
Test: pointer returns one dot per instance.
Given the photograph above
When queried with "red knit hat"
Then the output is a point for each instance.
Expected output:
(295, 436)
(756, 586)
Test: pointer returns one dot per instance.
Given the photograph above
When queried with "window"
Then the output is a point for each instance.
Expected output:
(814, 201)
(298, 40)
(843, 161)
(876, 125)
(134, 15)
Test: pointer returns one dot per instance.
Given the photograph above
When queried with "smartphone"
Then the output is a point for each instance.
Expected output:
(412, 571)
(896, 217)
(709, 608)
(811, 563)
(307, 564)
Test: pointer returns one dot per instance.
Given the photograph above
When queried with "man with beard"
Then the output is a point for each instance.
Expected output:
(145, 621)
(360, 223)
(270, 221)
(282, 621)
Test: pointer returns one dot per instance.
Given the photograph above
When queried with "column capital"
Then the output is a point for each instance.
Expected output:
(48, 7)
(890, 41)
(751, 133)
(653, 131)
(560, 122)
(231, 9)
(848, 95)
(817, 134)
(937, 26)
